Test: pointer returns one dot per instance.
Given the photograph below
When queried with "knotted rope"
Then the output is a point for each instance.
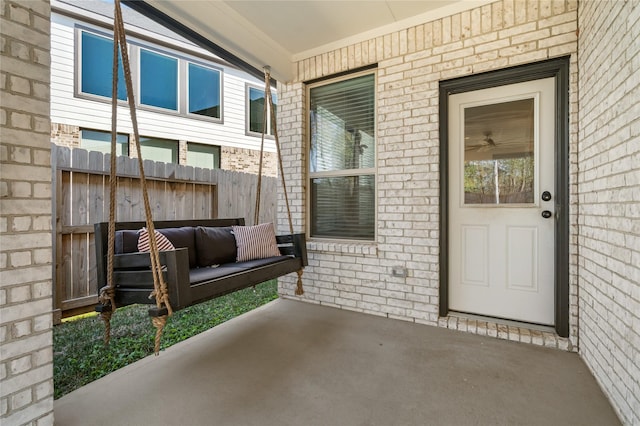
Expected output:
(106, 295)
(160, 291)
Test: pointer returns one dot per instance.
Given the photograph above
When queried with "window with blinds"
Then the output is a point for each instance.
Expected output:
(342, 152)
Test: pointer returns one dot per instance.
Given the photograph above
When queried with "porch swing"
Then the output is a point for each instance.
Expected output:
(168, 278)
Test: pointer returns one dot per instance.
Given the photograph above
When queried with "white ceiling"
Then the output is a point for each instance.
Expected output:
(279, 32)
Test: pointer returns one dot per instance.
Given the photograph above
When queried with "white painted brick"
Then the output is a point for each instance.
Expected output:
(44, 390)
(20, 365)
(21, 399)
(18, 259)
(42, 322)
(20, 121)
(20, 329)
(19, 294)
(19, 85)
(42, 256)
(42, 223)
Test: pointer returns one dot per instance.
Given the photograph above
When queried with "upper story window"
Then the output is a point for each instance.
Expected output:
(255, 112)
(97, 140)
(204, 91)
(158, 80)
(161, 79)
(342, 153)
(96, 76)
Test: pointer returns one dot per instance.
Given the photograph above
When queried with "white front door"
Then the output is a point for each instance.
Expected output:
(501, 206)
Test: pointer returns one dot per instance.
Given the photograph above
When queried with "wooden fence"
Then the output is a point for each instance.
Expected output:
(80, 185)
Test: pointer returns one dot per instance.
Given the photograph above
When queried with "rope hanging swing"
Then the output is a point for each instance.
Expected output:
(106, 295)
(160, 292)
(268, 106)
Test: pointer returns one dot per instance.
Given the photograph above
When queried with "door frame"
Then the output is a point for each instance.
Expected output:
(559, 69)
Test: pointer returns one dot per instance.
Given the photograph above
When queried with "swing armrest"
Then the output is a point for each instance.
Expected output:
(293, 245)
(133, 270)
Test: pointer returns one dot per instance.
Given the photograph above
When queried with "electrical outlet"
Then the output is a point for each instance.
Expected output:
(399, 271)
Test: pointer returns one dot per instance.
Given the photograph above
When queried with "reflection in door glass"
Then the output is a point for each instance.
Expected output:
(498, 153)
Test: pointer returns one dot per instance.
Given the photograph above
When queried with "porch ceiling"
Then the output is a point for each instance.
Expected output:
(278, 33)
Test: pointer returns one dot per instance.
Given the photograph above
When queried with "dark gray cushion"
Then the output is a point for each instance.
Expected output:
(126, 241)
(184, 236)
(215, 245)
(200, 275)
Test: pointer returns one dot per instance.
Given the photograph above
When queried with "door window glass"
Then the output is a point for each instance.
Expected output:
(499, 153)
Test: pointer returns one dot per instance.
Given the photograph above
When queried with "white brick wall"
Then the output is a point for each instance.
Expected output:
(410, 64)
(609, 199)
(26, 355)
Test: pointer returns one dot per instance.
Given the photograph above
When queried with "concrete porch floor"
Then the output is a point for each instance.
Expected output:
(293, 363)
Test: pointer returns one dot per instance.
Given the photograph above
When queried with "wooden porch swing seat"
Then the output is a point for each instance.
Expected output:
(187, 283)
(171, 279)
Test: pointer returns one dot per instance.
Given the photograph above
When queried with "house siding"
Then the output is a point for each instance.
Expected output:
(26, 339)
(609, 199)
(410, 65)
(69, 112)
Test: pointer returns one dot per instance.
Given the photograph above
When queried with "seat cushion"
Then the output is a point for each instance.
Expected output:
(215, 245)
(200, 275)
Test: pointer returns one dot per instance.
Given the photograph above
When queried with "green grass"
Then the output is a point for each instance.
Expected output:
(80, 355)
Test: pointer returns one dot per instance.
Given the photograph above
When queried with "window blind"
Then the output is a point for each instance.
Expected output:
(342, 159)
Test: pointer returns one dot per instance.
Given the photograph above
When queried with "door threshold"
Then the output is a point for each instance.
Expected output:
(536, 334)
(515, 323)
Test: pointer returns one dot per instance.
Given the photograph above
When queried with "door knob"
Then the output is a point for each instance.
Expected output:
(546, 196)
(546, 214)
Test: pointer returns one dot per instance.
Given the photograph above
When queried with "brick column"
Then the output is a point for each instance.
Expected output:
(182, 152)
(26, 353)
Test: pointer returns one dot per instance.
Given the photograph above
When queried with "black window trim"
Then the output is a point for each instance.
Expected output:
(347, 75)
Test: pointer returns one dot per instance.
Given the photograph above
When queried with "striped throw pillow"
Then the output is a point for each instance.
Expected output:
(144, 245)
(255, 242)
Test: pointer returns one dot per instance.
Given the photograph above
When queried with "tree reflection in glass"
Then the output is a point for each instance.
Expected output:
(499, 153)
